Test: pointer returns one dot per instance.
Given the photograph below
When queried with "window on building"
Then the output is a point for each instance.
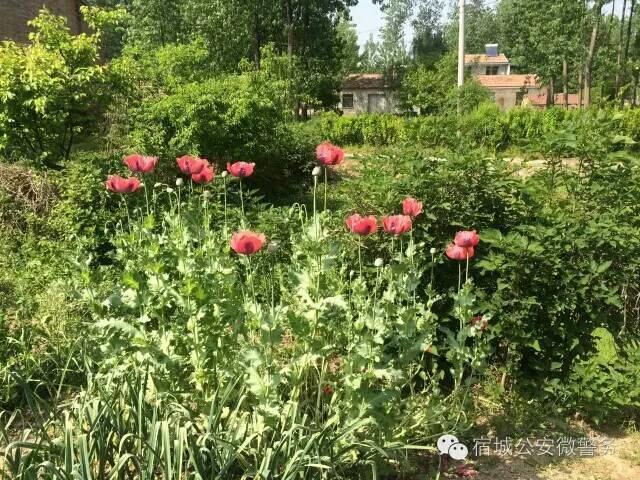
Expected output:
(347, 100)
(492, 70)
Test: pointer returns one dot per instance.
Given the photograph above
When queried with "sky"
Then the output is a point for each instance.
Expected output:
(369, 19)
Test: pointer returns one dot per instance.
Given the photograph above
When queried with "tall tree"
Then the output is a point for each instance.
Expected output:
(392, 48)
(480, 26)
(591, 52)
(428, 40)
(543, 37)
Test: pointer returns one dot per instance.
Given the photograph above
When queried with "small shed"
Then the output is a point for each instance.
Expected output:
(367, 93)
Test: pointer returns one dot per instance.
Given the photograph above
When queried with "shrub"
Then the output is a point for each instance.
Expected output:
(236, 117)
(51, 91)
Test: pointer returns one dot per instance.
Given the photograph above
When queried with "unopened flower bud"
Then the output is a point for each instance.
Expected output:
(272, 247)
(316, 172)
(224, 174)
(179, 182)
(379, 262)
(432, 251)
(206, 194)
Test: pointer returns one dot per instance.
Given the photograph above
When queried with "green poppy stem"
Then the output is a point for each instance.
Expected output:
(325, 188)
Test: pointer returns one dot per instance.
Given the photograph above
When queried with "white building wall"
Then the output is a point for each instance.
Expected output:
(481, 69)
(383, 101)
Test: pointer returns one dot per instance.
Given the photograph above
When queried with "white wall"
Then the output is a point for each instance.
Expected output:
(388, 104)
(481, 69)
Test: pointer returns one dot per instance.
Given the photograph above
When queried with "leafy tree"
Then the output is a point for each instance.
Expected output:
(392, 49)
(370, 59)
(52, 90)
(349, 54)
(480, 26)
(540, 36)
(428, 41)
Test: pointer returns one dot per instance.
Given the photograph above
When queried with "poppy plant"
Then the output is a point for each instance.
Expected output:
(329, 154)
(467, 239)
(456, 252)
(140, 164)
(362, 226)
(118, 184)
(247, 243)
(411, 207)
(397, 224)
(241, 169)
(205, 176)
(191, 165)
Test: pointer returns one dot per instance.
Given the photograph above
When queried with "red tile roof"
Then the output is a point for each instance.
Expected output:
(484, 58)
(509, 81)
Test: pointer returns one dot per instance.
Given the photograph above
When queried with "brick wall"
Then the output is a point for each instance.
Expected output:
(14, 15)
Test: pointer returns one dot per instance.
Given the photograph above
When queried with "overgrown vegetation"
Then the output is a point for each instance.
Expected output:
(251, 316)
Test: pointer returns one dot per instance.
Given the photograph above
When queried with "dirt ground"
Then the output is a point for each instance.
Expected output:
(622, 462)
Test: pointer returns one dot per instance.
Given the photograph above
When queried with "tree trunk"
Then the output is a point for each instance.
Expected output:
(635, 87)
(551, 93)
(257, 37)
(616, 88)
(593, 45)
(580, 87)
(565, 83)
(626, 47)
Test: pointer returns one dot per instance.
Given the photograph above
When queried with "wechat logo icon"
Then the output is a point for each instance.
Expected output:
(450, 445)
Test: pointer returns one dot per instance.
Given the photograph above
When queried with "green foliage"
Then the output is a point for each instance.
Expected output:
(50, 91)
(237, 117)
(604, 386)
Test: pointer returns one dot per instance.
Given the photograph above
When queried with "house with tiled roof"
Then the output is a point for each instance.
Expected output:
(493, 71)
(367, 93)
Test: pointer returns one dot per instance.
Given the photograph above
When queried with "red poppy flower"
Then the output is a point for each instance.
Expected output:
(191, 165)
(241, 169)
(118, 184)
(455, 252)
(397, 224)
(327, 390)
(140, 164)
(205, 176)
(362, 225)
(247, 243)
(328, 154)
(411, 207)
(467, 239)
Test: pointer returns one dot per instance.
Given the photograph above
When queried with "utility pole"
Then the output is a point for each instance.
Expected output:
(461, 45)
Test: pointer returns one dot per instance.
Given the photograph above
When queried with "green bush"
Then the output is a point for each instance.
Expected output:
(236, 117)
(52, 91)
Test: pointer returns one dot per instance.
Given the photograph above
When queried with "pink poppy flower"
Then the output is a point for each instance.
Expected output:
(467, 239)
(191, 165)
(397, 224)
(140, 164)
(328, 154)
(411, 207)
(118, 184)
(362, 226)
(247, 243)
(205, 176)
(241, 169)
(455, 252)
